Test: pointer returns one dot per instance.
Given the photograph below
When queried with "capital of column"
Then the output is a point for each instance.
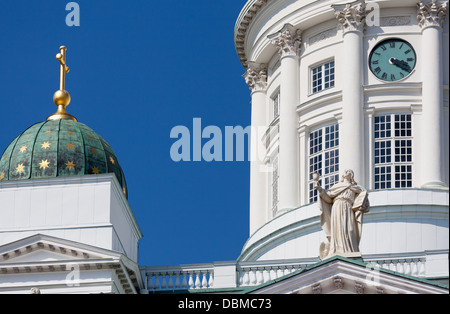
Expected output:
(288, 41)
(431, 14)
(256, 76)
(351, 16)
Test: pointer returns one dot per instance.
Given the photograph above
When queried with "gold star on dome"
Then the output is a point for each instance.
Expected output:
(6, 156)
(45, 145)
(23, 149)
(70, 165)
(70, 133)
(44, 164)
(28, 135)
(94, 151)
(20, 168)
(112, 160)
(70, 146)
(48, 132)
(2, 176)
(95, 170)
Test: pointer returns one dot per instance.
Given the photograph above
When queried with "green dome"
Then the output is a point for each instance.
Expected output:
(59, 148)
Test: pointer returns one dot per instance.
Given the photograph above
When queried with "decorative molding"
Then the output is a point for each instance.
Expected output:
(288, 41)
(395, 20)
(359, 288)
(352, 17)
(322, 36)
(316, 288)
(431, 14)
(256, 76)
(338, 282)
(416, 108)
(251, 9)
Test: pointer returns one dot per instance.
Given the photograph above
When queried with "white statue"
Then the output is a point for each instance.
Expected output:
(342, 206)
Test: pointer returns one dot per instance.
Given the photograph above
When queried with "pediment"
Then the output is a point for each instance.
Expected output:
(345, 276)
(39, 255)
(41, 248)
(45, 254)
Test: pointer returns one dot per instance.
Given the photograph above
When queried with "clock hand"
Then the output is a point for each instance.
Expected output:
(400, 63)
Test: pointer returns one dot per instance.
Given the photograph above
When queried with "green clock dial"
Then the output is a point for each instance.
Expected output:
(392, 60)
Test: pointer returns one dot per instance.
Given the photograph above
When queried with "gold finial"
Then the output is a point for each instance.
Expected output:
(61, 96)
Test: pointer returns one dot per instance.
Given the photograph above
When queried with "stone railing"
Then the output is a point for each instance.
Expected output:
(218, 275)
(246, 274)
(412, 266)
(183, 277)
(257, 273)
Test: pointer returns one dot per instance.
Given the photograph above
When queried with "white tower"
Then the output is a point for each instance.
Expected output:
(65, 222)
(349, 85)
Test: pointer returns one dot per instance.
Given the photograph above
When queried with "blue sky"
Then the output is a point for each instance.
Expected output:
(137, 69)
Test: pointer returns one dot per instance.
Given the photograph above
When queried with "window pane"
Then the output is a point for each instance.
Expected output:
(322, 77)
(276, 105)
(323, 159)
(392, 151)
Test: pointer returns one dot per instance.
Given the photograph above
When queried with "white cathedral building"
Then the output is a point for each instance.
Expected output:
(362, 85)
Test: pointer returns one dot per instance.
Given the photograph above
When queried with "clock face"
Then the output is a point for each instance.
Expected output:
(392, 59)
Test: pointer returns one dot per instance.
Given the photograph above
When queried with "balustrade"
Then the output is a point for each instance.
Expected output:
(202, 276)
(179, 279)
(413, 266)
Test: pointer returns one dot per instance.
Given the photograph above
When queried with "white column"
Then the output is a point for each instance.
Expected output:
(256, 78)
(351, 133)
(431, 16)
(288, 42)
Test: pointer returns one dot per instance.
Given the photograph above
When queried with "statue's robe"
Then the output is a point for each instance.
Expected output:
(341, 222)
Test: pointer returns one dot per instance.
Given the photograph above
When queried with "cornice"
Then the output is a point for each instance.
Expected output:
(250, 10)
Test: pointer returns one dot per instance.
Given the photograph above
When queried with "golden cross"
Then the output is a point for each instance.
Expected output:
(64, 68)
(61, 98)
